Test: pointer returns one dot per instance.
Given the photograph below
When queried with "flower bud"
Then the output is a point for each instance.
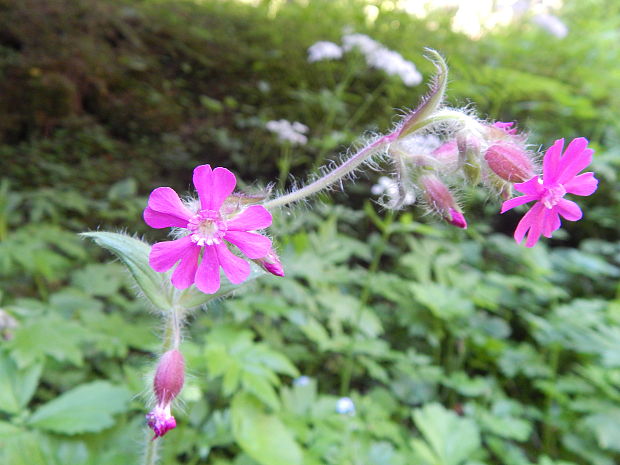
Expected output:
(271, 263)
(441, 200)
(509, 162)
(447, 156)
(168, 382)
(469, 158)
(169, 376)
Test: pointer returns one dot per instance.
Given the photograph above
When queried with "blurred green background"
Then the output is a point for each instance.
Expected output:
(455, 347)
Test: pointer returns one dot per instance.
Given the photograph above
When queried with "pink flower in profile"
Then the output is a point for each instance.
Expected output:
(560, 177)
(209, 228)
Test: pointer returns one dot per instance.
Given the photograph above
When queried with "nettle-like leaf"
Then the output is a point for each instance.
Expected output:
(449, 439)
(17, 385)
(261, 435)
(87, 408)
(232, 354)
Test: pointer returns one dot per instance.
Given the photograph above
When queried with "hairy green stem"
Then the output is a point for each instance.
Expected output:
(150, 452)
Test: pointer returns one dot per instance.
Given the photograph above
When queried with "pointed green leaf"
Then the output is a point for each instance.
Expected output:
(134, 254)
(16, 385)
(87, 408)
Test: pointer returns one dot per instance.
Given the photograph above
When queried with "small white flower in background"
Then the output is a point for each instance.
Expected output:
(552, 24)
(301, 381)
(345, 406)
(289, 132)
(389, 187)
(324, 50)
(380, 57)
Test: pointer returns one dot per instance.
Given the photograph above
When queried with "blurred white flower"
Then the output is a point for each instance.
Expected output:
(324, 50)
(389, 187)
(552, 24)
(301, 381)
(380, 57)
(289, 132)
(345, 406)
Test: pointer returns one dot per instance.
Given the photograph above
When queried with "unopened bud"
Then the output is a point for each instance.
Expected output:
(271, 263)
(510, 162)
(441, 200)
(469, 158)
(167, 384)
(447, 156)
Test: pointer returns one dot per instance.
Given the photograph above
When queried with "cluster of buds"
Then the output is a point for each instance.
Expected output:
(167, 384)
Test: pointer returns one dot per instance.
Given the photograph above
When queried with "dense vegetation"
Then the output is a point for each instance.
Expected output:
(455, 347)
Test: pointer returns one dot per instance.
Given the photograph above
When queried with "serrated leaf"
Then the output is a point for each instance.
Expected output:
(16, 385)
(134, 254)
(262, 436)
(450, 438)
(87, 408)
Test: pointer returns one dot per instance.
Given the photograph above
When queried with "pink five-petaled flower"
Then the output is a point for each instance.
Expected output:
(560, 177)
(215, 223)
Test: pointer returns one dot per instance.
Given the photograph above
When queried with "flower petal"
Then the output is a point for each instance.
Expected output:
(185, 272)
(576, 157)
(569, 210)
(512, 203)
(251, 244)
(213, 186)
(159, 220)
(530, 187)
(528, 220)
(165, 209)
(253, 217)
(164, 255)
(551, 222)
(208, 273)
(584, 184)
(236, 268)
(551, 162)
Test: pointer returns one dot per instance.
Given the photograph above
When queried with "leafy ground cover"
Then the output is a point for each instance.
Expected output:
(455, 348)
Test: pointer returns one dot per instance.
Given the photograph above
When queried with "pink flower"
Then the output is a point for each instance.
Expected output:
(560, 177)
(214, 223)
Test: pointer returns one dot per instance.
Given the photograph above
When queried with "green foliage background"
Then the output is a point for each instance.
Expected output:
(458, 348)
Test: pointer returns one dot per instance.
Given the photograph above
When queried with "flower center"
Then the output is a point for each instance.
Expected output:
(207, 227)
(553, 195)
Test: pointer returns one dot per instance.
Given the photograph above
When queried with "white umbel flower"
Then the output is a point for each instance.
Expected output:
(324, 50)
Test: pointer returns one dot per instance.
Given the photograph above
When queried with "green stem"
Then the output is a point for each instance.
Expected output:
(150, 451)
(347, 372)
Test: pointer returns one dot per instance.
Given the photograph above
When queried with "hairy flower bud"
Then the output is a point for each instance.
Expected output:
(271, 263)
(510, 162)
(447, 156)
(469, 158)
(441, 200)
(168, 382)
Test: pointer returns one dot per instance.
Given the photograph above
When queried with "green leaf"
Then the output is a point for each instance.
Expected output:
(262, 436)
(450, 439)
(99, 280)
(16, 385)
(134, 254)
(47, 336)
(605, 427)
(87, 408)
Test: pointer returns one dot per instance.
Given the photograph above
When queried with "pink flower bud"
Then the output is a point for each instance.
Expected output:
(441, 200)
(168, 382)
(169, 376)
(510, 162)
(271, 263)
(447, 156)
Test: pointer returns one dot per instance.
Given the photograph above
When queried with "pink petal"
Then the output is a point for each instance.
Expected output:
(584, 184)
(569, 210)
(551, 162)
(551, 222)
(533, 216)
(164, 255)
(185, 272)
(530, 187)
(162, 220)
(236, 269)
(251, 244)
(208, 273)
(512, 203)
(167, 203)
(576, 157)
(213, 186)
(253, 217)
